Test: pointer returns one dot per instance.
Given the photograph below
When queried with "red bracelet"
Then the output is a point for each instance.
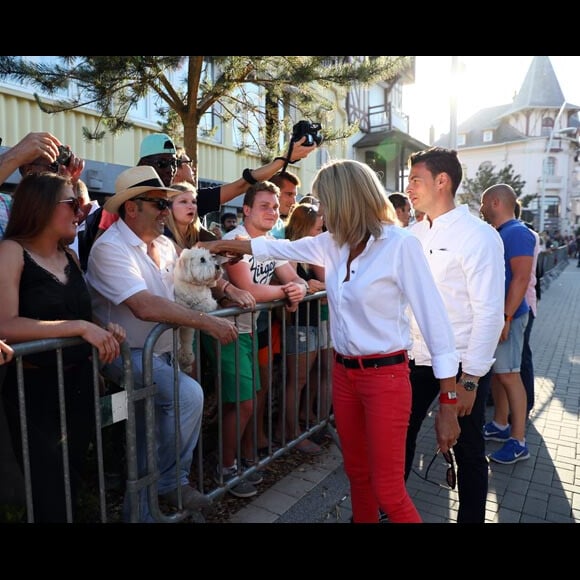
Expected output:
(449, 398)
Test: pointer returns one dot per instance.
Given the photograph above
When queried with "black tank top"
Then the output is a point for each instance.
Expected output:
(42, 296)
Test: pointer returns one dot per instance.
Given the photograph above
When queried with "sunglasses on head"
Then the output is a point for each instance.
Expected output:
(74, 203)
(162, 163)
(450, 474)
(160, 202)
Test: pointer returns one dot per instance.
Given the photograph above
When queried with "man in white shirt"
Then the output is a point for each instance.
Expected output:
(130, 275)
(466, 259)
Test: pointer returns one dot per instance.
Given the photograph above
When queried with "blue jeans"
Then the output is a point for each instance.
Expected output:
(190, 416)
(527, 368)
(472, 466)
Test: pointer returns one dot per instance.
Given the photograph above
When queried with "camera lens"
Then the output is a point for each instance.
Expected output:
(64, 155)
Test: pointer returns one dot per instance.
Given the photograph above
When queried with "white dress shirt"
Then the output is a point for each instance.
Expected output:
(368, 312)
(465, 255)
(118, 268)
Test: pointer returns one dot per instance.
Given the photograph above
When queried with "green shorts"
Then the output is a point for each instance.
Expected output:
(247, 370)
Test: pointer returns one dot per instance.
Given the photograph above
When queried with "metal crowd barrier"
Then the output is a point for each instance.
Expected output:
(117, 403)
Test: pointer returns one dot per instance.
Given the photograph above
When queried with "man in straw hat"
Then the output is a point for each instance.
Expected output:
(130, 274)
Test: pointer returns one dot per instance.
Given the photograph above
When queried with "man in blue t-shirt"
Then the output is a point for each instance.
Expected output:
(509, 395)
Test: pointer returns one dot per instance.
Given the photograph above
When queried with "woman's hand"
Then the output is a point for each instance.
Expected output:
(6, 353)
(315, 285)
(104, 340)
(118, 332)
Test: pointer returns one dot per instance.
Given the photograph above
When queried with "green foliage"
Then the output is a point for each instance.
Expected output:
(485, 177)
(188, 87)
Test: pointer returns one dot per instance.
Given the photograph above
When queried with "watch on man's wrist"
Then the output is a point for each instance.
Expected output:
(469, 384)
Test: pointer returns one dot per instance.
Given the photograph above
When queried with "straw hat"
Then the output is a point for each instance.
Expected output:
(132, 183)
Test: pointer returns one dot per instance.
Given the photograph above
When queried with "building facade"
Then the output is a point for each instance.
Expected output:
(538, 135)
(382, 141)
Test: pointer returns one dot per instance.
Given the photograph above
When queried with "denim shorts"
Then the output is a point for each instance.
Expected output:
(508, 354)
(307, 339)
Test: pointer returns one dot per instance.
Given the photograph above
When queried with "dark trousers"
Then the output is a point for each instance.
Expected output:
(527, 367)
(44, 433)
(472, 465)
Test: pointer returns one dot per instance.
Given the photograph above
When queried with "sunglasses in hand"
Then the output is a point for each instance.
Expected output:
(450, 474)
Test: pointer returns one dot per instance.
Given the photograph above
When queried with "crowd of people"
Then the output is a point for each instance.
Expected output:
(459, 291)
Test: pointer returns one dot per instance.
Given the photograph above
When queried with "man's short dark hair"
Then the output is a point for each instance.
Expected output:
(440, 160)
(399, 200)
(227, 215)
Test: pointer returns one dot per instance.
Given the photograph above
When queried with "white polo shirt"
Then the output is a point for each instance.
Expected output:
(465, 255)
(118, 268)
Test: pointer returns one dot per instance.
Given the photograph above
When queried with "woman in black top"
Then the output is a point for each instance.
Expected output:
(44, 295)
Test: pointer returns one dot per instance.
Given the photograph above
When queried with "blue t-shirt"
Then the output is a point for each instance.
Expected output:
(518, 240)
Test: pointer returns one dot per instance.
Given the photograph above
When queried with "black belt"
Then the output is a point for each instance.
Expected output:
(370, 363)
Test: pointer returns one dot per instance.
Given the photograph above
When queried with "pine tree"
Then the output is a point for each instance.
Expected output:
(224, 86)
(486, 177)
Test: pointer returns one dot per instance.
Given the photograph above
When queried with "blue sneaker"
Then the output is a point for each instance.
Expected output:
(493, 433)
(510, 452)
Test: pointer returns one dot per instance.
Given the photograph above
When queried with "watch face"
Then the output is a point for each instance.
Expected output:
(469, 385)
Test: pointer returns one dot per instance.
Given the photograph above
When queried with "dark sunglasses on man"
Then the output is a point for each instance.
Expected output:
(160, 163)
(160, 202)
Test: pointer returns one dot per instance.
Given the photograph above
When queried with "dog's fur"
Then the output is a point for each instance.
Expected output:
(196, 272)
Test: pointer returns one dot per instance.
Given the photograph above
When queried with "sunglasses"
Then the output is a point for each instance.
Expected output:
(162, 163)
(181, 162)
(74, 203)
(450, 474)
(160, 202)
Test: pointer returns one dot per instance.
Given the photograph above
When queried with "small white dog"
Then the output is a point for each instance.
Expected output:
(195, 274)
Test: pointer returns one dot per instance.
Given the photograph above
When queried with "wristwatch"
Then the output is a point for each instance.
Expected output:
(468, 383)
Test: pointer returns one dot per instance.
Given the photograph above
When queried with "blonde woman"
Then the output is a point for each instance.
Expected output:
(185, 229)
(374, 270)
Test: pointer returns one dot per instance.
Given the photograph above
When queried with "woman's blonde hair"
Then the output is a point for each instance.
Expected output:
(191, 236)
(301, 220)
(353, 200)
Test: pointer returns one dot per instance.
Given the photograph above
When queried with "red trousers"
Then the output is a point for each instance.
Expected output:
(372, 408)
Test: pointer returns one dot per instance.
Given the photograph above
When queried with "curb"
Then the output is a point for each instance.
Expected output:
(276, 501)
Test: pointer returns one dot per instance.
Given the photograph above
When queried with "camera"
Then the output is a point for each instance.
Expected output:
(308, 129)
(64, 155)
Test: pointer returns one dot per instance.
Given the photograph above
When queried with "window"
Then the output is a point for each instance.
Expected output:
(461, 139)
(550, 166)
(547, 126)
(249, 119)
(488, 136)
